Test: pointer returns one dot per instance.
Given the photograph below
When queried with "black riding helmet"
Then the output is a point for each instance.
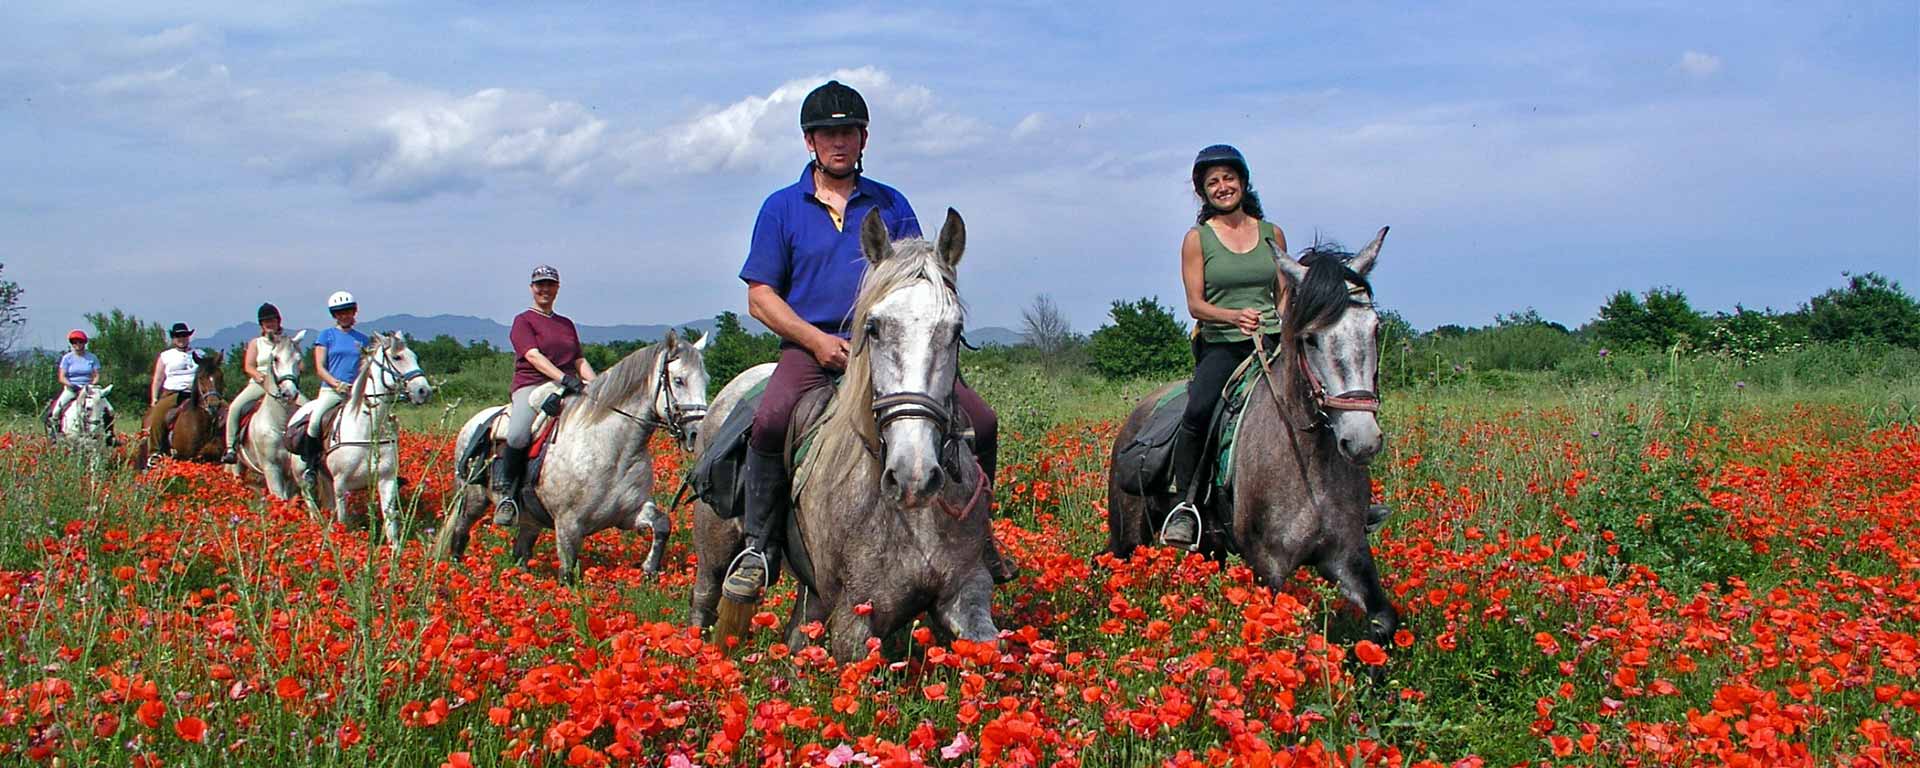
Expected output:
(268, 312)
(831, 105)
(1220, 154)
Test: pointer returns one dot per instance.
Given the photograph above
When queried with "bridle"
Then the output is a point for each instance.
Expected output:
(389, 377)
(678, 418)
(1319, 402)
(290, 377)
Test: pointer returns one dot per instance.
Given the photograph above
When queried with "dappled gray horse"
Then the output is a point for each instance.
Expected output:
(596, 467)
(889, 529)
(1300, 485)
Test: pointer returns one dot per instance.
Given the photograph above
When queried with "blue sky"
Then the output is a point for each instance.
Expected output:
(186, 162)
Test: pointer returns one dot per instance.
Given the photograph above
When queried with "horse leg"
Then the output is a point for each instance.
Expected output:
(966, 612)
(662, 525)
(1359, 582)
(807, 609)
(848, 632)
(523, 540)
(567, 537)
(457, 530)
(340, 493)
(390, 507)
(716, 543)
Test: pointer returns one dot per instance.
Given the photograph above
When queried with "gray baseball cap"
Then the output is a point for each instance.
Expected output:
(544, 273)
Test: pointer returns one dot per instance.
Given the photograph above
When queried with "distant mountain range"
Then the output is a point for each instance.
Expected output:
(469, 330)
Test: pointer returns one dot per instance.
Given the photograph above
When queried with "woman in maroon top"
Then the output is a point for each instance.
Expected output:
(545, 348)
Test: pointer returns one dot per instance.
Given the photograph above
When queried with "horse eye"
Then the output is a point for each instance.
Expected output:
(1313, 340)
(873, 329)
(679, 381)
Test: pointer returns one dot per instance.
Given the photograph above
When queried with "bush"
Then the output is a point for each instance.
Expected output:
(1870, 308)
(1662, 320)
(1143, 339)
(734, 350)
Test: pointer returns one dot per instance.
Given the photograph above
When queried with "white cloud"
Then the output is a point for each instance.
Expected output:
(1700, 65)
(760, 133)
(1030, 125)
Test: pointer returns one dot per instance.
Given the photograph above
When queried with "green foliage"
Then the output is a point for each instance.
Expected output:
(1749, 335)
(12, 314)
(126, 348)
(1661, 320)
(1143, 339)
(1871, 308)
(734, 350)
(27, 382)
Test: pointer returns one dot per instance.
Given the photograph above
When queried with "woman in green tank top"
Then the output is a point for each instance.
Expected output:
(1233, 293)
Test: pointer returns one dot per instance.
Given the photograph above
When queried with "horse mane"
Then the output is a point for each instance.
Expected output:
(844, 447)
(625, 379)
(1324, 294)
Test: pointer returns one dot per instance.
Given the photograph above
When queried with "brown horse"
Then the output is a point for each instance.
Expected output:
(1300, 486)
(197, 432)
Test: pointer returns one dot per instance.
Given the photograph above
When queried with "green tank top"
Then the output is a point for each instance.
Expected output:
(1239, 281)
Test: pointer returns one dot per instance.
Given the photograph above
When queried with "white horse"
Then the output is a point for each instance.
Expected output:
(264, 451)
(364, 445)
(597, 469)
(86, 417)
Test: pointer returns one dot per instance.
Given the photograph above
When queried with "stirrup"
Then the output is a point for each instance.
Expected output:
(509, 508)
(766, 572)
(1199, 524)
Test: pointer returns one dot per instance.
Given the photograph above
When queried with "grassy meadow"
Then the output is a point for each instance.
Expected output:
(1660, 560)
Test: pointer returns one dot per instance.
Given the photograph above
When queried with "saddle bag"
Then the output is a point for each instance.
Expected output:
(1143, 466)
(718, 478)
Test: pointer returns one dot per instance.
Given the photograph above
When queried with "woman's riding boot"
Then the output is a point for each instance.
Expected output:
(766, 521)
(512, 470)
(1182, 528)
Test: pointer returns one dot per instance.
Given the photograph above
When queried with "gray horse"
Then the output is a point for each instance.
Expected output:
(597, 469)
(1300, 484)
(890, 530)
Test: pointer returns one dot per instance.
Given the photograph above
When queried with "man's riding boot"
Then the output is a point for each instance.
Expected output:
(766, 523)
(1182, 528)
(508, 475)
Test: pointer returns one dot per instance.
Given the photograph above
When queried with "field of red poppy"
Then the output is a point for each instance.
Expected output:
(1615, 578)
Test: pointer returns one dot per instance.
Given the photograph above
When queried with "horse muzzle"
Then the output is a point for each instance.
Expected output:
(1358, 435)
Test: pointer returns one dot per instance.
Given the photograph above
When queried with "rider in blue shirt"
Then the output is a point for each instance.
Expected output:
(336, 357)
(803, 275)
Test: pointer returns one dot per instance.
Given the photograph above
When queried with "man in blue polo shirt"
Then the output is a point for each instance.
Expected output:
(803, 273)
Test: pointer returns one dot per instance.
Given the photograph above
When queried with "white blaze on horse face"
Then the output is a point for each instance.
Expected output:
(286, 359)
(1344, 356)
(913, 352)
(689, 385)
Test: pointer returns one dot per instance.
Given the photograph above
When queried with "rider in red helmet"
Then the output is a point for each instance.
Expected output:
(78, 369)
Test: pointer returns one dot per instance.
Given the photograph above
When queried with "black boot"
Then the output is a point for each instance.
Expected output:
(310, 454)
(508, 473)
(766, 523)
(1182, 528)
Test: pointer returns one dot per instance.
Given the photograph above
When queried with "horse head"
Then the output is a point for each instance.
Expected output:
(905, 355)
(680, 399)
(396, 368)
(1332, 335)
(283, 367)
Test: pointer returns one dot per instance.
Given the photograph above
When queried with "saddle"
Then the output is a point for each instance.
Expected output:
(717, 477)
(1144, 466)
(483, 445)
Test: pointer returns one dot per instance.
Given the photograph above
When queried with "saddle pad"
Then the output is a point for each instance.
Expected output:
(479, 446)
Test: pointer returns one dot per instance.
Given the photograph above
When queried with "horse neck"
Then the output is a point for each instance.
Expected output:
(357, 406)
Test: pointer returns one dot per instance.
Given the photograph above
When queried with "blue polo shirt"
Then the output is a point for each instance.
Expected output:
(343, 351)
(813, 265)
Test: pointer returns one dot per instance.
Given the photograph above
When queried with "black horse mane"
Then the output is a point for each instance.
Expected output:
(1325, 293)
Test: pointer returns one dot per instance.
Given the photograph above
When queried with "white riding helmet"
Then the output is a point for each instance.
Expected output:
(340, 300)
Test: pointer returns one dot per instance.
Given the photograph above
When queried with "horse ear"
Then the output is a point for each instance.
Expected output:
(298, 336)
(400, 337)
(1363, 261)
(701, 345)
(953, 238)
(874, 240)
(1292, 270)
(106, 389)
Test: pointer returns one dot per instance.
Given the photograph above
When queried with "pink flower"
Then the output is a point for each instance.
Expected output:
(960, 746)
